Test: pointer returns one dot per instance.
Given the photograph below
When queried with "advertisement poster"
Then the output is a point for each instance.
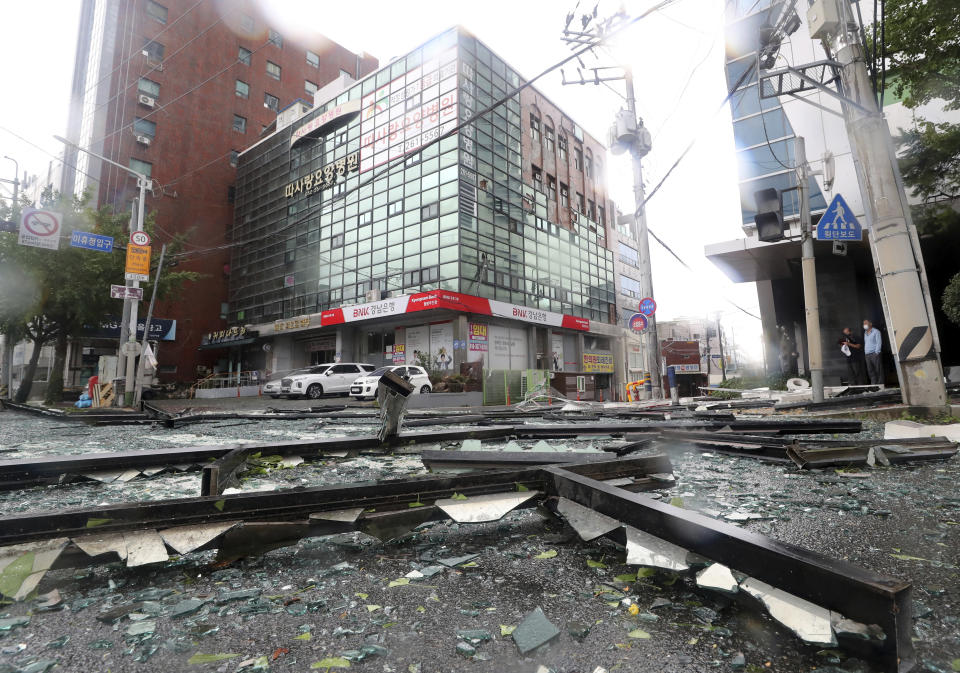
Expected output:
(556, 348)
(601, 363)
(399, 354)
(418, 345)
(441, 346)
(477, 343)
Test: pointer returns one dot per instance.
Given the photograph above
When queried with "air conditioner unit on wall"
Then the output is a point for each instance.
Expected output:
(146, 100)
(144, 140)
(372, 295)
(574, 216)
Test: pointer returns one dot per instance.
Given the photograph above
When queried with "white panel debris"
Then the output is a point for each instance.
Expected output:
(104, 476)
(128, 475)
(647, 550)
(95, 545)
(291, 461)
(808, 620)
(184, 539)
(143, 547)
(345, 515)
(588, 523)
(480, 508)
(719, 578)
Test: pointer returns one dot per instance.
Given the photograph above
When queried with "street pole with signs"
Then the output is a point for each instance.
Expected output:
(143, 183)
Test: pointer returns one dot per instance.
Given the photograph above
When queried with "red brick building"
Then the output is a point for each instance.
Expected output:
(175, 88)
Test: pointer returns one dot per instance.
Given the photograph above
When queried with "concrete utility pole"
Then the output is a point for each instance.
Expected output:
(723, 362)
(639, 148)
(809, 268)
(912, 329)
(138, 387)
(144, 183)
(9, 341)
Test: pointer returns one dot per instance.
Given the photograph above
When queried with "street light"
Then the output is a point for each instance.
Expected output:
(144, 183)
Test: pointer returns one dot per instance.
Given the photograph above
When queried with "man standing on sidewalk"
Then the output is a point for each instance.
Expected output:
(872, 342)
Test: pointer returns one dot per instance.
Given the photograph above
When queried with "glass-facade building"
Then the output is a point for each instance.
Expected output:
(377, 198)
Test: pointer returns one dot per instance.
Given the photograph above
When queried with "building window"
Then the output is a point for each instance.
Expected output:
(548, 139)
(142, 167)
(149, 87)
(551, 187)
(537, 177)
(339, 188)
(630, 287)
(243, 55)
(234, 158)
(275, 38)
(153, 51)
(581, 208)
(577, 159)
(309, 87)
(273, 70)
(365, 217)
(430, 211)
(534, 128)
(628, 255)
(271, 101)
(246, 22)
(156, 11)
(588, 167)
(336, 241)
(341, 139)
(395, 208)
(592, 210)
(601, 220)
(144, 127)
(562, 147)
(239, 124)
(313, 59)
(564, 196)
(242, 89)
(344, 72)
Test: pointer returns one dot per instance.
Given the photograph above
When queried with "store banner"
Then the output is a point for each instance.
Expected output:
(453, 301)
(478, 342)
(600, 363)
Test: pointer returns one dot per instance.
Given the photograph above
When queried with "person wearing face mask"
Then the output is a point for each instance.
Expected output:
(852, 351)
(872, 341)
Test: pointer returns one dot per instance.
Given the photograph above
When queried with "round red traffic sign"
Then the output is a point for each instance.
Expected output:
(42, 223)
(648, 306)
(638, 322)
(139, 238)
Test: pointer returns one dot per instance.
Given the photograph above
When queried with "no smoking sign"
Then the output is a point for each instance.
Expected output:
(40, 228)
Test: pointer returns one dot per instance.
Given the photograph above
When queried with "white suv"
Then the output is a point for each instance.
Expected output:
(334, 378)
(366, 386)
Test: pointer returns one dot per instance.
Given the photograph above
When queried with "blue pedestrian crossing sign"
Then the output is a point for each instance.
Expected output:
(838, 223)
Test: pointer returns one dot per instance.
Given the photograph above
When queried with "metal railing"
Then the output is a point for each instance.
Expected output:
(227, 380)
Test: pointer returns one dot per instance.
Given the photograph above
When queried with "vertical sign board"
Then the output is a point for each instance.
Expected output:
(40, 228)
(138, 262)
(477, 342)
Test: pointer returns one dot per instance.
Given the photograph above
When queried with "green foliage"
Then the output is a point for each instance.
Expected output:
(941, 419)
(56, 294)
(923, 49)
(951, 299)
(773, 381)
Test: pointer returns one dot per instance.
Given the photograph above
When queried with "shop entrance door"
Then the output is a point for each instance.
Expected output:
(379, 350)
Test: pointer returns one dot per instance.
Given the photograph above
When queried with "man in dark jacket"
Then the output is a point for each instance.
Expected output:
(852, 350)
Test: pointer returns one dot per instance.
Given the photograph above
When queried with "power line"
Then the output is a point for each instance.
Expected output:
(48, 153)
(138, 50)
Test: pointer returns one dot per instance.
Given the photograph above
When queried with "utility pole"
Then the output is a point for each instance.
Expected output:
(638, 149)
(723, 362)
(809, 268)
(628, 134)
(893, 240)
(143, 183)
(10, 338)
(138, 387)
(124, 321)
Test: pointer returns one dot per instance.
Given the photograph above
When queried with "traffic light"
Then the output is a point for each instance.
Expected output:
(769, 217)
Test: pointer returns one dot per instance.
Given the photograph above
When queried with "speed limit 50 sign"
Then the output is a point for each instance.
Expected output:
(139, 238)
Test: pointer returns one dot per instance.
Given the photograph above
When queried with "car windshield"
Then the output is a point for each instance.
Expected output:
(380, 372)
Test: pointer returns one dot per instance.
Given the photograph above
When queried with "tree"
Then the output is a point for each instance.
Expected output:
(65, 291)
(951, 299)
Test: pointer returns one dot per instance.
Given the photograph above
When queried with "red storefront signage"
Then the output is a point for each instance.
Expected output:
(454, 301)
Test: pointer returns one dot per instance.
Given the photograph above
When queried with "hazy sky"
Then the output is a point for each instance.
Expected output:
(676, 55)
